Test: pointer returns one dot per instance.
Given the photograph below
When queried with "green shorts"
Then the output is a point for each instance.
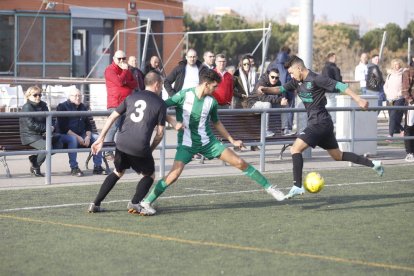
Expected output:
(212, 150)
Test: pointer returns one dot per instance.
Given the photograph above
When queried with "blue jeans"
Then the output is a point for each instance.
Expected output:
(395, 118)
(71, 143)
(110, 136)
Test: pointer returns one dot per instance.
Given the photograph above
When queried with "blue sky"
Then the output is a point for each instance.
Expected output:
(370, 13)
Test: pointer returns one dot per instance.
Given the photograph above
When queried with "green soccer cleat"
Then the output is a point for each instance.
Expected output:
(378, 168)
(295, 191)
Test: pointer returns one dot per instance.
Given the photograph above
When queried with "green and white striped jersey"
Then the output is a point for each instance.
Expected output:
(195, 115)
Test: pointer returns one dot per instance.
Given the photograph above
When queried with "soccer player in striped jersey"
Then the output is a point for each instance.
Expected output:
(195, 107)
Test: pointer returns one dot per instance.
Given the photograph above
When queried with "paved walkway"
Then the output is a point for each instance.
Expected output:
(21, 178)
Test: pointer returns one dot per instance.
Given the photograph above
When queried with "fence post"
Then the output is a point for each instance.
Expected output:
(48, 179)
(262, 140)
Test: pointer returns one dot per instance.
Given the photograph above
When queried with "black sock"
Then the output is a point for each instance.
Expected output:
(357, 159)
(297, 160)
(106, 187)
(143, 187)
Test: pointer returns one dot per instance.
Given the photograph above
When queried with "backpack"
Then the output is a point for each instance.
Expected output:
(373, 82)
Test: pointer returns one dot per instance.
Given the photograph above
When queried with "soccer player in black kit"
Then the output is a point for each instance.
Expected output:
(311, 89)
(145, 111)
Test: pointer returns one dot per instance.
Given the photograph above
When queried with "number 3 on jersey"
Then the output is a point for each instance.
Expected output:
(140, 105)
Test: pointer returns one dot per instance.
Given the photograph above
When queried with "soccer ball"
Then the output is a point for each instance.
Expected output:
(314, 182)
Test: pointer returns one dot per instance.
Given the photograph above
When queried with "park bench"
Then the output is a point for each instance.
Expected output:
(10, 141)
(246, 127)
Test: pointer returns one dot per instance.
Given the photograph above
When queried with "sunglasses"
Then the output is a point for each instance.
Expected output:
(121, 58)
(245, 64)
(37, 95)
(274, 77)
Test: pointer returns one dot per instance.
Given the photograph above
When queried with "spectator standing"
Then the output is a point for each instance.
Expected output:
(243, 83)
(146, 112)
(33, 129)
(119, 84)
(153, 65)
(375, 80)
(361, 71)
(332, 71)
(136, 73)
(409, 115)
(279, 64)
(185, 74)
(209, 59)
(396, 86)
(76, 132)
(224, 90)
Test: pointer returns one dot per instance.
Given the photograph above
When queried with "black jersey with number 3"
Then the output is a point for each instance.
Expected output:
(312, 93)
(144, 110)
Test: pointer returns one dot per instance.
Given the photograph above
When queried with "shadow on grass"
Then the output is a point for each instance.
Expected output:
(323, 203)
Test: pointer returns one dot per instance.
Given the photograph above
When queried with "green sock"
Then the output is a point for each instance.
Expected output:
(158, 189)
(257, 176)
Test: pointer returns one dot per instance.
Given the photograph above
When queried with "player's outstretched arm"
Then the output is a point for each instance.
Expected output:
(226, 135)
(362, 103)
(97, 146)
(269, 90)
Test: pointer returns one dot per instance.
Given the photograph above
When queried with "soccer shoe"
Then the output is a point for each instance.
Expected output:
(146, 209)
(134, 208)
(378, 168)
(276, 193)
(95, 209)
(295, 191)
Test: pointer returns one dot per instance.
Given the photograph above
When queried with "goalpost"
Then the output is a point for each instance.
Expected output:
(264, 42)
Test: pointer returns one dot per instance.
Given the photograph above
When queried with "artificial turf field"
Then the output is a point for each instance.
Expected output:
(360, 224)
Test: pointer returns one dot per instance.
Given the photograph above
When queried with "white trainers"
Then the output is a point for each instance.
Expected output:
(133, 208)
(276, 193)
(269, 133)
(295, 191)
(95, 209)
(146, 209)
(409, 157)
(378, 167)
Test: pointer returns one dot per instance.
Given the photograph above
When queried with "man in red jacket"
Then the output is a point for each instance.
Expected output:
(224, 91)
(119, 84)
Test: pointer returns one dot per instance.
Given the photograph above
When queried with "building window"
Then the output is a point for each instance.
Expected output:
(44, 46)
(6, 44)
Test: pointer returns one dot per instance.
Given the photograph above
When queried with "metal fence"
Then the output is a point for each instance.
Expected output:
(164, 146)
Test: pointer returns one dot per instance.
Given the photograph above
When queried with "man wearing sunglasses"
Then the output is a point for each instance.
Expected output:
(262, 101)
(119, 84)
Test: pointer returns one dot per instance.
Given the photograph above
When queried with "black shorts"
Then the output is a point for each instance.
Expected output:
(142, 165)
(321, 135)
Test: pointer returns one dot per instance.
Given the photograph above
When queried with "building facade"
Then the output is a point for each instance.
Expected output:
(75, 38)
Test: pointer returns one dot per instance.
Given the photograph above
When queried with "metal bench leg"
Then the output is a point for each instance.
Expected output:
(107, 169)
(283, 150)
(87, 160)
(6, 167)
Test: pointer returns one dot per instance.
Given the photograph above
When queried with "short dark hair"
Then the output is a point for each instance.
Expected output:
(152, 77)
(275, 70)
(209, 76)
(292, 61)
(331, 54)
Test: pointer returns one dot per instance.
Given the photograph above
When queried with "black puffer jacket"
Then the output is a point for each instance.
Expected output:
(32, 128)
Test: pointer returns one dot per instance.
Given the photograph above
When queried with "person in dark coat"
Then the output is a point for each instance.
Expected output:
(33, 129)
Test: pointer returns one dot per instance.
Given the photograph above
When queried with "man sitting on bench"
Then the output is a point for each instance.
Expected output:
(77, 132)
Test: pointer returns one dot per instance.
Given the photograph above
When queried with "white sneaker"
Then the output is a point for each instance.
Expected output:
(378, 167)
(295, 191)
(409, 157)
(146, 209)
(133, 208)
(276, 193)
(269, 133)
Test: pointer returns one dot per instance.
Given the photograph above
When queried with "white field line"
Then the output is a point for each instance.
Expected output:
(197, 195)
(201, 190)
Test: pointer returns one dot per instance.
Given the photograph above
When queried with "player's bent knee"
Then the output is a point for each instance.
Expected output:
(119, 174)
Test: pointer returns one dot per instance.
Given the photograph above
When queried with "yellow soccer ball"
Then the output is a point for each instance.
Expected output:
(314, 182)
